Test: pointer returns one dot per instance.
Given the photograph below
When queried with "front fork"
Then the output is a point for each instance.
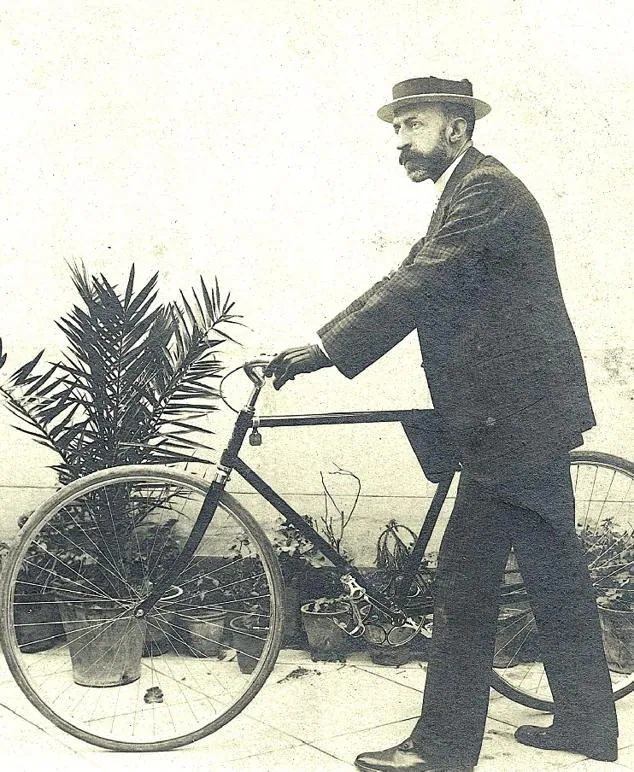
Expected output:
(208, 509)
(243, 423)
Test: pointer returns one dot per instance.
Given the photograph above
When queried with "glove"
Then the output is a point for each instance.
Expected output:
(293, 361)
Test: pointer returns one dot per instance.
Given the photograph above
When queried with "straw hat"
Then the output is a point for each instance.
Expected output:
(431, 89)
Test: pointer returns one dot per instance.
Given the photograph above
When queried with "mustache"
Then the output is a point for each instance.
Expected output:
(409, 155)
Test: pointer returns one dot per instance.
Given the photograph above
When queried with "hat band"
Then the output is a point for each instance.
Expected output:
(432, 85)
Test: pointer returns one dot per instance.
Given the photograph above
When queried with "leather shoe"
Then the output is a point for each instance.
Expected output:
(404, 758)
(552, 738)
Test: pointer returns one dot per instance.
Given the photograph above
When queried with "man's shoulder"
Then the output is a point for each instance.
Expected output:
(487, 171)
(479, 165)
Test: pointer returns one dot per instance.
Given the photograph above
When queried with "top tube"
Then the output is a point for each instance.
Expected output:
(360, 417)
(255, 370)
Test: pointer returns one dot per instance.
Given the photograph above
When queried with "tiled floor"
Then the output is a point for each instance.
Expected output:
(317, 722)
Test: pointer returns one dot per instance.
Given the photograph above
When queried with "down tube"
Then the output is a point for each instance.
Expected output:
(256, 482)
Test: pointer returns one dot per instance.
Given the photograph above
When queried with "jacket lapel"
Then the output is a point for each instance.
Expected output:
(469, 160)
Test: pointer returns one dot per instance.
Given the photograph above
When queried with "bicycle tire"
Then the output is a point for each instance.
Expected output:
(603, 469)
(164, 708)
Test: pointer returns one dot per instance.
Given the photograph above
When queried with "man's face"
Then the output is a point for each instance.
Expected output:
(421, 139)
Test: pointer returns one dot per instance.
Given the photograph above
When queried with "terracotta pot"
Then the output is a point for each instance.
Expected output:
(205, 632)
(37, 622)
(617, 628)
(293, 630)
(105, 648)
(248, 641)
(162, 633)
(391, 656)
(326, 640)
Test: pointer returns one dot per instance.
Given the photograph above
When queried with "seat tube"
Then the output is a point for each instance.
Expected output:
(416, 556)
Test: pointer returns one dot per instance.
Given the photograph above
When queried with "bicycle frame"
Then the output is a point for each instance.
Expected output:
(230, 461)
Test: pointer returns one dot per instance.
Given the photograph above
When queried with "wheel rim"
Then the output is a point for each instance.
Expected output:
(157, 682)
(604, 493)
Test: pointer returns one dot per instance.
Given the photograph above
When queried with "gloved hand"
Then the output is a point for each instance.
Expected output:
(293, 361)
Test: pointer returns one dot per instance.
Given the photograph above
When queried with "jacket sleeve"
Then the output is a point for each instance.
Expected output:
(477, 221)
(358, 304)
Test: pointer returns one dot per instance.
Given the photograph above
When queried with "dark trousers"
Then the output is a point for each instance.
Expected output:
(529, 507)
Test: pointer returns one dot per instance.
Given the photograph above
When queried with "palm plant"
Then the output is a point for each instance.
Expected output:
(135, 379)
(131, 387)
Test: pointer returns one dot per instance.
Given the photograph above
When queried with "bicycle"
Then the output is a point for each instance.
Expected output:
(224, 569)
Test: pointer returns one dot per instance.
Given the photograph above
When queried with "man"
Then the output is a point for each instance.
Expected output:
(507, 380)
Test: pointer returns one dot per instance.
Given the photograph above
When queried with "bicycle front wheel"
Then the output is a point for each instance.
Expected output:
(604, 508)
(86, 559)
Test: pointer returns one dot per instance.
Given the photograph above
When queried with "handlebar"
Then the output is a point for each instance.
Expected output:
(252, 366)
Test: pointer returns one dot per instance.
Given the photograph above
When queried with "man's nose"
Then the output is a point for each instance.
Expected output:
(402, 141)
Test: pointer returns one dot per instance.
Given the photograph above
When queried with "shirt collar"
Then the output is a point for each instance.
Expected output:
(442, 181)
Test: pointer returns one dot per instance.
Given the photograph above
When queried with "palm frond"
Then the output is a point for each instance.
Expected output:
(134, 381)
(21, 376)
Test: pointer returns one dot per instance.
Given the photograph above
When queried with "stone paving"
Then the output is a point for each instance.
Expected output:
(317, 720)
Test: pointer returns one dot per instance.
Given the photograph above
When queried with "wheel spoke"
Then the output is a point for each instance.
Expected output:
(172, 676)
(603, 487)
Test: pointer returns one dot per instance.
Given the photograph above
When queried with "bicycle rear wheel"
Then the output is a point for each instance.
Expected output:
(604, 504)
(88, 556)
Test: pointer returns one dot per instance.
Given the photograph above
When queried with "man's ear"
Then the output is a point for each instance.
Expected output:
(457, 130)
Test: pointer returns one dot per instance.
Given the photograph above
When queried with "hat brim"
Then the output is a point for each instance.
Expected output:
(480, 108)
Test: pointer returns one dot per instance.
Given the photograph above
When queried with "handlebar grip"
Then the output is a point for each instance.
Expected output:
(251, 367)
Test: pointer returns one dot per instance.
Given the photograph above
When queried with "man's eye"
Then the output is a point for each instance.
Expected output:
(415, 124)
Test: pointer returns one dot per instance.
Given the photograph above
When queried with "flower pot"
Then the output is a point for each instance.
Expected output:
(37, 622)
(326, 640)
(391, 656)
(159, 636)
(105, 647)
(205, 632)
(293, 631)
(162, 633)
(248, 641)
(618, 639)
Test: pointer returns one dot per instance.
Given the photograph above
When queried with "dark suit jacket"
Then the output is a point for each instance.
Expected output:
(502, 360)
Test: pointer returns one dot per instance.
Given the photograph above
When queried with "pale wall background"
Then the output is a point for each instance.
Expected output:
(239, 139)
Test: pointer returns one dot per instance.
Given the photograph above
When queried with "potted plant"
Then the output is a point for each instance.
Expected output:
(394, 546)
(324, 621)
(610, 553)
(221, 588)
(249, 633)
(38, 625)
(246, 596)
(302, 567)
(134, 380)
(616, 616)
(104, 644)
(325, 608)
(204, 620)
